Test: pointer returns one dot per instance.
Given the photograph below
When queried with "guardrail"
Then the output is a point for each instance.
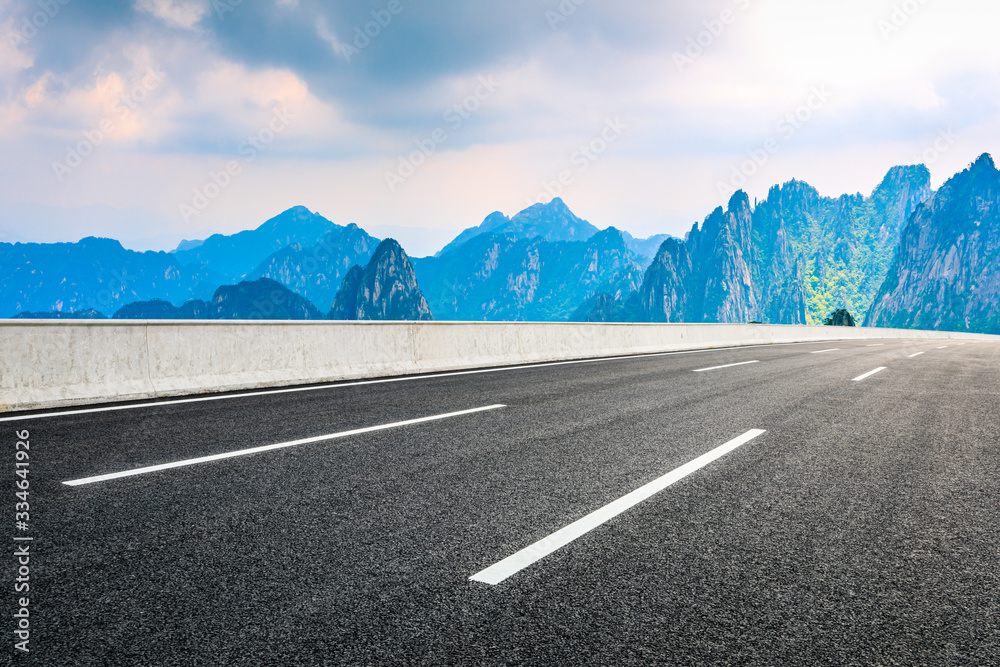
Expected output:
(54, 363)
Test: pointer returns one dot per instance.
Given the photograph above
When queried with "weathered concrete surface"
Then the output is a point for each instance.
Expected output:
(46, 363)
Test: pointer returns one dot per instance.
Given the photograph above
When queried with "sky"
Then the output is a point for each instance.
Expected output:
(152, 121)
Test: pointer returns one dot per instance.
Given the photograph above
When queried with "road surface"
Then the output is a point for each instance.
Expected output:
(771, 505)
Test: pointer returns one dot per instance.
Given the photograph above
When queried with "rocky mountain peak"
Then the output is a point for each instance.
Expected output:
(944, 275)
(610, 237)
(386, 289)
(739, 202)
(553, 221)
(979, 179)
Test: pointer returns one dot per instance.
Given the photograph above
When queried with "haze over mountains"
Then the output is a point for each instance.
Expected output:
(908, 255)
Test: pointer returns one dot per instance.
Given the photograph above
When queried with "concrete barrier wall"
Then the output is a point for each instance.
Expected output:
(51, 363)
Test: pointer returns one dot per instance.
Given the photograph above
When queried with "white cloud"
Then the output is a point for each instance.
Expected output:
(175, 13)
(240, 100)
(12, 59)
(339, 48)
(125, 101)
(687, 128)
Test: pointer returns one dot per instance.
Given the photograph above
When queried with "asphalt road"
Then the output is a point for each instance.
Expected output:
(862, 528)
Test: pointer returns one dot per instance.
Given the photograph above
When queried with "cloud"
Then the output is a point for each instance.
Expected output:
(339, 48)
(366, 84)
(12, 59)
(175, 13)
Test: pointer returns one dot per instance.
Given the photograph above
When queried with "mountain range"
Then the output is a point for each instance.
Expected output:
(792, 259)
(551, 222)
(261, 299)
(503, 277)
(235, 256)
(900, 256)
(946, 274)
(94, 274)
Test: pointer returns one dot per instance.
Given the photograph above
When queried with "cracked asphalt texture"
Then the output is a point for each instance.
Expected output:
(863, 528)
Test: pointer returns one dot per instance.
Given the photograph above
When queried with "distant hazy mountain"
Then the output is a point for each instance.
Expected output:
(646, 248)
(316, 271)
(311, 256)
(235, 256)
(188, 245)
(386, 289)
(493, 222)
(94, 273)
(262, 299)
(946, 274)
(300, 249)
(553, 222)
(502, 277)
(795, 257)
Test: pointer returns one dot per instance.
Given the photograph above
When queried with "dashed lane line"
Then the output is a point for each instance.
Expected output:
(867, 375)
(717, 368)
(280, 445)
(511, 565)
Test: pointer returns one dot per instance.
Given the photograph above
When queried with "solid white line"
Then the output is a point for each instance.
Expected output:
(876, 345)
(513, 564)
(823, 351)
(869, 374)
(280, 445)
(357, 383)
(917, 354)
(715, 368)
(942, 347)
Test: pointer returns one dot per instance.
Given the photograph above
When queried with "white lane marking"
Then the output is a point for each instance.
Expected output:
(876, 345)
(916, 355)
(833, 349)
(529, 555)
(280, 445)
(869, 374)
(942, 347)
(715, 368)
(357, 383)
